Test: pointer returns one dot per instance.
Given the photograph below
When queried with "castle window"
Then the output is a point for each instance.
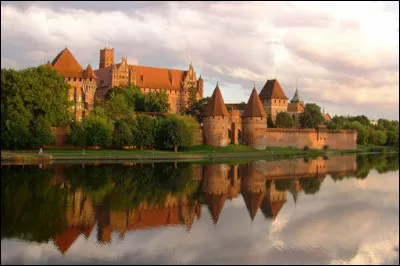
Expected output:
(90, 79)
(275, 101)
(142, 78)
(74, 79)
(80, 79)
(279, 101)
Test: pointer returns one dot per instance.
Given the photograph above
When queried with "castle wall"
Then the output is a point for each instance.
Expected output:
(215, 179)
(274, 106)
(215, 131)
(299, 138)
(236, 127)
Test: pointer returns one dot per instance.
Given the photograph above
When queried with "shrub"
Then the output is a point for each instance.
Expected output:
(326, 147)
(98, 131)
(306, 148)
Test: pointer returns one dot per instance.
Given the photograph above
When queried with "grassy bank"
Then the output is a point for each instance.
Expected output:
(234, 151)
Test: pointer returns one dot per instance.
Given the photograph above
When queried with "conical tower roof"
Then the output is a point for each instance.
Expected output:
(65, 64)
(215, 204)
(254, 107)
(271, 209)
(216, 105)
(253, 202)
(89, 73)
(272, 90)
(296, 97)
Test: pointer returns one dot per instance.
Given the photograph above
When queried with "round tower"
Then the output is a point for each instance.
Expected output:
(216, 121)
(254, 122)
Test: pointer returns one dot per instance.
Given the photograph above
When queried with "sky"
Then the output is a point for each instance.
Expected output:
(343, 56)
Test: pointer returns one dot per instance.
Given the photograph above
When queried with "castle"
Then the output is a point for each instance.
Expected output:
(244, 124)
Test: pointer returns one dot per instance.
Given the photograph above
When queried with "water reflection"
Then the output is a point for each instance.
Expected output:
(59, 203)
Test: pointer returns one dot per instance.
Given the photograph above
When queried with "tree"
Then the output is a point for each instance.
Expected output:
(311, 117)
(98, 131)
(197, 108)
(270, 123)
(392, 138)
(284, 120)
(122, 135)
(143, 133)
(76, 134)
(26, 95)
(362, 136)
(174, 133)
(41, 132)
(117, 108)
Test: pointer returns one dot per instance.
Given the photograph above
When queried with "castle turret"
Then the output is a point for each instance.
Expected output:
(106, 57)
(254, 122)
(216, 121)
(295, 108)
(200, 86)
(89, 88)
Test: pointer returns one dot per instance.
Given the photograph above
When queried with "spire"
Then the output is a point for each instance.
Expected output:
(254, 107)
(296, 97)
(48, 64)
(216, 105)
(89, 73)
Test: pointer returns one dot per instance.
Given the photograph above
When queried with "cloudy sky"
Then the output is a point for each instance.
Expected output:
(344, 54)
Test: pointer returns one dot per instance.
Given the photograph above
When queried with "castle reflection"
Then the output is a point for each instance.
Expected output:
(123, 198)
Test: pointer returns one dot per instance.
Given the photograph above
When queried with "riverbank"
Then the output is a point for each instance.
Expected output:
(195, 153)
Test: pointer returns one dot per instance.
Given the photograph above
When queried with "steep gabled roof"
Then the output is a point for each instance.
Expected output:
(65, 64)
(254, 107)
(216, 105)
(272, 90)
(65, 240)
(89, 73)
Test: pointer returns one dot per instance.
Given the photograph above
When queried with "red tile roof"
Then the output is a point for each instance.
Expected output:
(65, 64)
(64, 241)
(327, 117)
(254, 107)
(272, 90)
(158, 78)
(216, 105)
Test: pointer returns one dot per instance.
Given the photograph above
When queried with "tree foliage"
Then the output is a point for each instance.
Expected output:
(144, 131)
(98, 131)
(174, 133)
(284, 120)
(311, 117)
(28, 96)
(197, 108)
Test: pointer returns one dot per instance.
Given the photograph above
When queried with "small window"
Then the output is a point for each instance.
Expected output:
(74, 79)
(142, 78)
(275, 101)
(90, 79)
(279, 101)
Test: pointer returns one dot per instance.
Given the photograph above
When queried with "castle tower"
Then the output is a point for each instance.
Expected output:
(200, 87)
(273, 98)
(254, 122)
(216, 121)
(253, 187)
(273, 202)
(89, 88)
(106, 57)
(295, 108)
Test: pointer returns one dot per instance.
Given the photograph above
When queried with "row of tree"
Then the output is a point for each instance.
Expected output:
(385, 132)
(170, 132)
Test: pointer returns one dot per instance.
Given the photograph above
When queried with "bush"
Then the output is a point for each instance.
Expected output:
(42, 133)
(76, 135)
(122, 135)
(98, 131)
(306, 148)
(326, 147)
(174, 133)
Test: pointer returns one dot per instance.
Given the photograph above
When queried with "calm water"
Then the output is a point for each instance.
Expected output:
(337, 210)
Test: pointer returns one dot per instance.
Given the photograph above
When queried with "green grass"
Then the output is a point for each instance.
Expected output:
(204, 150)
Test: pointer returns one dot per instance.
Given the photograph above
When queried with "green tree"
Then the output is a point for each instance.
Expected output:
(76, 134)
(392, 138)
(362, 137)
(197, 108)
(270, 122)
(98, 131)
(117, 108)
(144, 134)
(122, 135)
(311, 117)
(42, 133)
(174, 133)
(284, 120)
(27, 95)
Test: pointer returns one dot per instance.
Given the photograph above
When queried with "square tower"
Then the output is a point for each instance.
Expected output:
(106, 57)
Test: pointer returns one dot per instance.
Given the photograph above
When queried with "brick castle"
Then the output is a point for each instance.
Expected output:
(245, 123)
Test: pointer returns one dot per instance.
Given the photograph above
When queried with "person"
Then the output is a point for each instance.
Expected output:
(40, 151)
(83, 151)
